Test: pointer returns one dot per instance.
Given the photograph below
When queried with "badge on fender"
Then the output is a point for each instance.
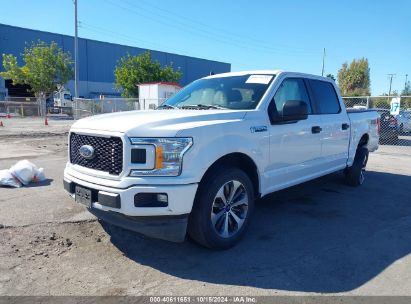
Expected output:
(257, 129)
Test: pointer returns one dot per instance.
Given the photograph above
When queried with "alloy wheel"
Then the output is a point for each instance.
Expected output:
(230, 208)
(362, 173)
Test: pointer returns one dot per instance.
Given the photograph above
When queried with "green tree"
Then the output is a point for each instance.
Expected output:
(354, 79)
(406, 101)
(407, 89)
(45, 68)
(385, 102)
(331, 76)
(380, 103)
(133, 70)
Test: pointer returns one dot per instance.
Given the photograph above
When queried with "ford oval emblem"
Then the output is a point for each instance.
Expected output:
(87, 151)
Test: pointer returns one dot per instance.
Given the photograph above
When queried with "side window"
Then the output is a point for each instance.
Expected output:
(325, 96)
(291, 89)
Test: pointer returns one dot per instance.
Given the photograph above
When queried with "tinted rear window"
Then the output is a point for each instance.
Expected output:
(325, 96)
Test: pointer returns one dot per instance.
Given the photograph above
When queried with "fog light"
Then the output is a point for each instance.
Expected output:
(162, 197)
(151, 200)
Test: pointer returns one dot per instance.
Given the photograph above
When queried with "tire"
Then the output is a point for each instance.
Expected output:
(216, 221)
(355, 175)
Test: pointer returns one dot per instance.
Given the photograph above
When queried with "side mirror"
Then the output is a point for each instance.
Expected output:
(293, 110)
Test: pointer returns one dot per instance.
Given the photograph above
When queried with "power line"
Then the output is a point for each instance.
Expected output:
(123, 36)
(199, 32)
(136, 42)
(210, 28)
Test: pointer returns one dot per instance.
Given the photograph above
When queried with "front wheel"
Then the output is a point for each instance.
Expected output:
(355, 175)
(222, 209)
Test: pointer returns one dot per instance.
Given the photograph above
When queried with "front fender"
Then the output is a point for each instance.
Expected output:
(213, 142)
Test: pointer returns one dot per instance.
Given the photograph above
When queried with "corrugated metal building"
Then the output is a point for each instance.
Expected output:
(97, 59)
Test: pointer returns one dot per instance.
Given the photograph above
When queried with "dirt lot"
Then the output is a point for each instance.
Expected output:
(321, 237)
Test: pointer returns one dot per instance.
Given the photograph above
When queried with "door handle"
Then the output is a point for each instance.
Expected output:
(345, 126)
(316, 129)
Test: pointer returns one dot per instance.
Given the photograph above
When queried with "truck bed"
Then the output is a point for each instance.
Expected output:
(353, 110)
(362, 121)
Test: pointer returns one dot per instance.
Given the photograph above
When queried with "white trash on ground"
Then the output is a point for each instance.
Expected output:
(7, 179)
(22, 173)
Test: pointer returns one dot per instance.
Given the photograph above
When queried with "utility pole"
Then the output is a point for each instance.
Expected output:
(406, 80)
(76, 74)
(322, 71)
(391, 76)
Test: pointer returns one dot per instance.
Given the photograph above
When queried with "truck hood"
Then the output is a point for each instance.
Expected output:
(157, 123)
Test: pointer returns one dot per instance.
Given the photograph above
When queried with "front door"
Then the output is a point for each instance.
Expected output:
(295, 150)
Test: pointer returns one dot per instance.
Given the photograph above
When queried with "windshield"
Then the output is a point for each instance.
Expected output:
(233, 92)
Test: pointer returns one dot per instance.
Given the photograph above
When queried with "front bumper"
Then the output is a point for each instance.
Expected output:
(170, 228)
(116, 206)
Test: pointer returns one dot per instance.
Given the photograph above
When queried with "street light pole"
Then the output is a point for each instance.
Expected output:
(322, 70)
(391, 76)
(76, 74)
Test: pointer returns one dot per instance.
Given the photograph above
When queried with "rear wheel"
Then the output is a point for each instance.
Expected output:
(355, 175)
(222, 209)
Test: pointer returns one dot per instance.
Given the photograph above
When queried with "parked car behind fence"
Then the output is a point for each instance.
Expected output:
(389, 130)
(404, 121)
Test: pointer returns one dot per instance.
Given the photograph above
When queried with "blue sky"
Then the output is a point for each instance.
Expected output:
(259, 34)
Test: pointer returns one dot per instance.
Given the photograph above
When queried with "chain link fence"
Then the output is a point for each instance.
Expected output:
(87, 107)
(79, 108)
(395, 126)
(20, 107)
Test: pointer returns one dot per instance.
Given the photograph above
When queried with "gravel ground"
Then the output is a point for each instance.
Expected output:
(33, 126)
(320, 237)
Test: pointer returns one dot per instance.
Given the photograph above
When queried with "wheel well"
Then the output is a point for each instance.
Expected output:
(241, 161)
(363, 141)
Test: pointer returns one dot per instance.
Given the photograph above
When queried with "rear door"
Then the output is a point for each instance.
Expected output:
(334, 127)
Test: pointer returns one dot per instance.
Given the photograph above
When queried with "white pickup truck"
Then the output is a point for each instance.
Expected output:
(197, 163)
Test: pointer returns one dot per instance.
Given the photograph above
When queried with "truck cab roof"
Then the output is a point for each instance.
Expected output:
(269, 72)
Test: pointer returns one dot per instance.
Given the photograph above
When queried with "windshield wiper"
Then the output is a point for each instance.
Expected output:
(166, 106)
(203, 107)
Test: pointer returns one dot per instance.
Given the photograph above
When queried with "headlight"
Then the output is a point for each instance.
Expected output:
(168, 155)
